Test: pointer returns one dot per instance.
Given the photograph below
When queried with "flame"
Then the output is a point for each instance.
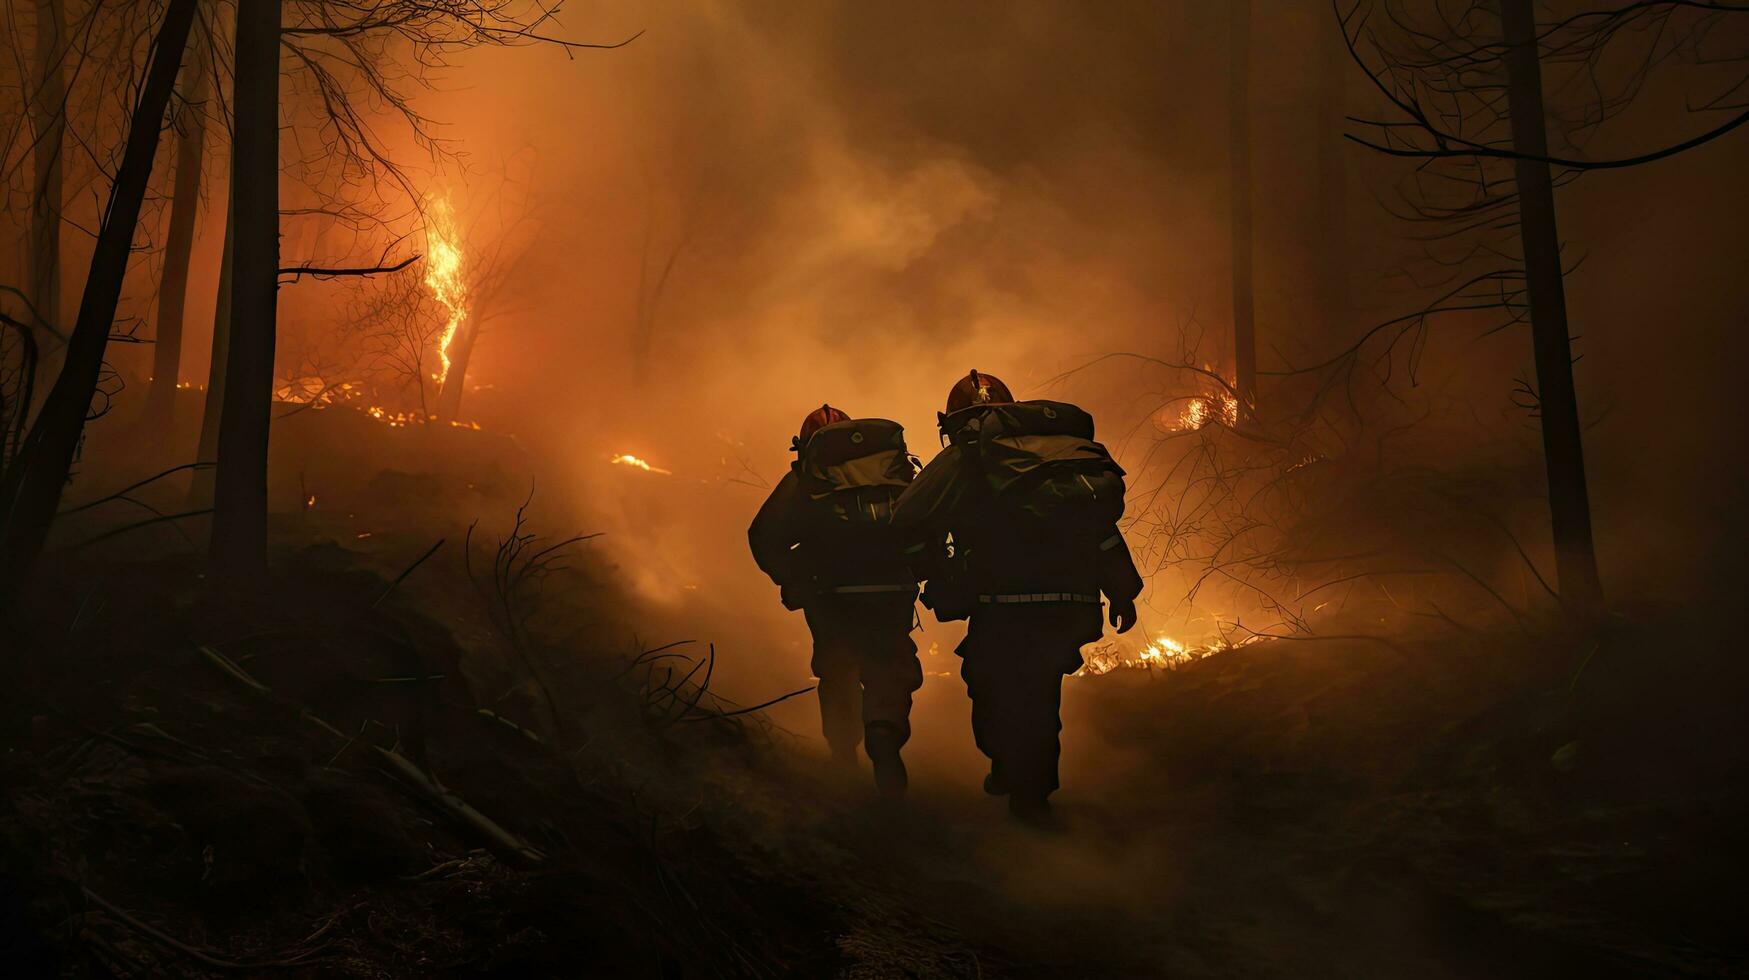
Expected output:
(443, 274)
(1187, 414)
(1159, 653)
(319, 394)
(1220, 407)
(394, 420)
(627, 459)
(1162, 652)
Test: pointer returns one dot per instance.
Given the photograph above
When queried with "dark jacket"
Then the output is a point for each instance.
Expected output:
(797, 543)
(999, 550)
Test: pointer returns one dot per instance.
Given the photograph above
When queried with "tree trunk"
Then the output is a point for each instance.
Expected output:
(184, 206)
(449, 396)
(201, 491)
(1239, 141)
(1563, 452)
(34, 481)
(1332, 168)
(239, 538)
(49, 122)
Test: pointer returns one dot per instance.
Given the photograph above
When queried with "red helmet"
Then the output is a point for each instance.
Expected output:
(818, 418)
(977, 389)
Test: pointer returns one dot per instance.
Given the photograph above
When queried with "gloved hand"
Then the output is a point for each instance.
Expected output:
(1123, 614)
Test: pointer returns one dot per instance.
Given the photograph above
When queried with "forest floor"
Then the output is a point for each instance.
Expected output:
(195, 784)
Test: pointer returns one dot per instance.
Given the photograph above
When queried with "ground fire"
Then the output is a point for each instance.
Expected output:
(627, 459)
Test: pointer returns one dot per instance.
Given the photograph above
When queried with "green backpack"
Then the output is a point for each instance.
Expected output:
(1039, 460)
(856, 470)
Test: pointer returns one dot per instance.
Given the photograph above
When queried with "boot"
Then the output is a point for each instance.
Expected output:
(882, 744)
(1031, 809)
(994, 784)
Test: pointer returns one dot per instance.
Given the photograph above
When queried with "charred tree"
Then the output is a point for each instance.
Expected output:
(239, 528)
(33, 483)
(49, 121)
(449, 394)
(213, 404)
(1239, 144)
(1563, 450)
(184, 206)
(1460, 93)
(1332, 236)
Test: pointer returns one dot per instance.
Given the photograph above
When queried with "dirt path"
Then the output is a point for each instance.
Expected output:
(1264, 847)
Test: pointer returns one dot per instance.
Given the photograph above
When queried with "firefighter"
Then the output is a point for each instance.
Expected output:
(825, 537)
(1014, 525)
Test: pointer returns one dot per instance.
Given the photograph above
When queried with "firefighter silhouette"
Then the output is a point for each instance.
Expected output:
(825, 537)
(1014, 525)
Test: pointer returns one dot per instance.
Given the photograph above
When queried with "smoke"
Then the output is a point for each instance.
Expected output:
(754, 208)
(751, 210)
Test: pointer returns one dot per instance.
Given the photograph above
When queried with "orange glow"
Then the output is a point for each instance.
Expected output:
(1220, 407)
(1159, 653)
(443, 274)
(627, 459)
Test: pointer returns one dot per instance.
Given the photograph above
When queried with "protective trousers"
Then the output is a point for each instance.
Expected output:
(866, 663)
(1013, 660)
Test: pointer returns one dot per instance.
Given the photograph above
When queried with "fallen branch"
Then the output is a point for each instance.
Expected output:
(195, 952)
(513, 726)
(400, 766)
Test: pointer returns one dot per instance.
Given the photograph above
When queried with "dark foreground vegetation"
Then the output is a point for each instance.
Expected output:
(359, 774)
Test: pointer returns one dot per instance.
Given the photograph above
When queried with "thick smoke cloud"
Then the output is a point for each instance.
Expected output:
(856, 203)
(754, 208)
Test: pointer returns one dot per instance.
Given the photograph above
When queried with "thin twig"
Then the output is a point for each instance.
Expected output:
(757, 707)
(130, 489)
(105, 536)
(408, 571)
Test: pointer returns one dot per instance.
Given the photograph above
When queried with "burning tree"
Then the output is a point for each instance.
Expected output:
(409, 334)
(444, 277)
(344, 53)
(469, 285)
(346, 50)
